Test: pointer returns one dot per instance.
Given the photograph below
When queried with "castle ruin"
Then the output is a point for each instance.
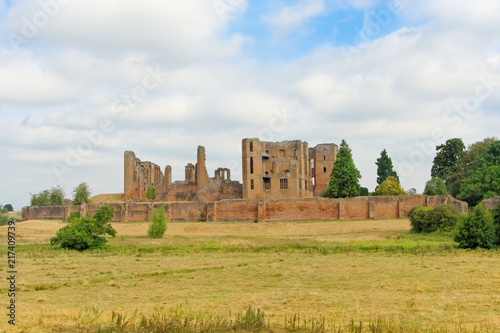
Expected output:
(287, 169)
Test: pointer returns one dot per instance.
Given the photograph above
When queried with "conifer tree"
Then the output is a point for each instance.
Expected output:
(344, 180)
(385, 168)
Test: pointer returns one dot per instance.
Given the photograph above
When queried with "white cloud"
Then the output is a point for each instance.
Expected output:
(292, 17)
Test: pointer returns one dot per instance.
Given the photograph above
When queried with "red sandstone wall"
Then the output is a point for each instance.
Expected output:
(236, 210)
(288, 209)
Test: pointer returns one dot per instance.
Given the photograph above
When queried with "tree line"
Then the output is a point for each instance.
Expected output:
(471, 174)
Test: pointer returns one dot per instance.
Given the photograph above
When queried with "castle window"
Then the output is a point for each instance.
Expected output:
(324, 157)
(251, 145)
(282, 153)
(135, 175)
(251, 184)
(284, 183)
(324, 169)
(267, 183)
(251, 164)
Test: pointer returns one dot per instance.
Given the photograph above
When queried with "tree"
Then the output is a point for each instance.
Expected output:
(86, 233)
(9, 207)
(435, 186)
(390, 186)
(81, 194)
(447, 157)
(385, 168)
(52, 197)
(158, 224)
(344, 179)
(412, 191)
(364, 192)
(476, 230)
(459, 173)
(483, 177)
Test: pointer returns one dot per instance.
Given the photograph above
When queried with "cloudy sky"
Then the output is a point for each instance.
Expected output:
(83, 81)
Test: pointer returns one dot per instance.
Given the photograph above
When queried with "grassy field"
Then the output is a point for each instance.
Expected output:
(348, 273)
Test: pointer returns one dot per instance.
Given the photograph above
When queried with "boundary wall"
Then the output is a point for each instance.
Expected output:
(284, 209)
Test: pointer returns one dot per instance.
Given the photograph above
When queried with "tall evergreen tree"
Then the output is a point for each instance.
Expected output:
(344, 180)
(385, 168)
(447, 158)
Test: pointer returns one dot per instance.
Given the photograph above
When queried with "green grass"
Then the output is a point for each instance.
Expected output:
(266, 282)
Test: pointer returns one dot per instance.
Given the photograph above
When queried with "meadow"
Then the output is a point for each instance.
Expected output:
(338, 276)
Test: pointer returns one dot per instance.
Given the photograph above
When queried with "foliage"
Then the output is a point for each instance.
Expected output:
(151, 193)
(412, 191)
(435, 186)
(483, 177)
(73, 216)
(459, 173)
(8, 207)
(52, 197)
(445, 218)
(81, 194)
(476, 230)
(4, 219)
(385, 168)
(420, 219)
(495, 213)
(390, 186)
(364, 192)
(344, 179)
(447, 157)
(86, 233)
(4, 210)
(158, 224)
(441, 218)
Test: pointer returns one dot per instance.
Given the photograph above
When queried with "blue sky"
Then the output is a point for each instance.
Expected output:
(398, 75)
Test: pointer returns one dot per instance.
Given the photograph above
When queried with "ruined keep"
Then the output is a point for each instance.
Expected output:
(287, 169)
(197, 186)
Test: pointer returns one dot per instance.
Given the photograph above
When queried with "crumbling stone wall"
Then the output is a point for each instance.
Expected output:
(196, 186)
(285, 209)
(491, 203)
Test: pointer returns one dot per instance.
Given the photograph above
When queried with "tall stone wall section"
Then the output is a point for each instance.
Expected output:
(289, 209)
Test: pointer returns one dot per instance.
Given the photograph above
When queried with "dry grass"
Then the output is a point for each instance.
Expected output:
(66, 288)
(107, 198)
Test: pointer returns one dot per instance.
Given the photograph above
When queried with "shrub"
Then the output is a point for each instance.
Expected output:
(151, 193)
(476, 230)
(86, 233)
(444, 218)
(73, 216)
(496, 223)
(4, 219)
(420, 219)
(158, 224)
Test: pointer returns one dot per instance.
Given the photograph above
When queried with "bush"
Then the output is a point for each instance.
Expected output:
(441, 218)
(158, 224)
(4, 219)
(86, 233)
(444, 218)
(151, 193)
(420, 219)
(476, 230)
(73, 216)
(496, 224)
(390, 186)
(435, 186)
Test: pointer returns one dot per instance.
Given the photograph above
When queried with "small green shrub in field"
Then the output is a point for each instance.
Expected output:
(476, 230)
(158, 224)
(420, 219)
(444, 218)
(441, 218)
(86, 233)
(4, 219)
